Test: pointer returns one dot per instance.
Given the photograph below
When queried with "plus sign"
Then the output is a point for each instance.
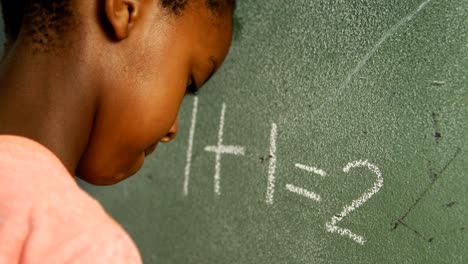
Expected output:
(220, 149)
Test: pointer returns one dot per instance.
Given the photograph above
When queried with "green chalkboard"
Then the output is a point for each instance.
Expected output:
(344, 140)
(336, 132)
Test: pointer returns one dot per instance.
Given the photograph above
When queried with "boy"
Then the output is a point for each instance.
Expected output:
(89, 88)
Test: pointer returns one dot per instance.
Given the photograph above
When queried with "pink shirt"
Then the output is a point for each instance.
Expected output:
(46, 218)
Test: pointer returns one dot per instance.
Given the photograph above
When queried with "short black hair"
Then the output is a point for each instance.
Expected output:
(12, 12)
(177, 6)
(49, 17)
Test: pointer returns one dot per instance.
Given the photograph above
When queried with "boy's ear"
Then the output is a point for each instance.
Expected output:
(121, 15)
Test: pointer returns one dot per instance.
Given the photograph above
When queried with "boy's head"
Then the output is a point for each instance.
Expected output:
(137, 59)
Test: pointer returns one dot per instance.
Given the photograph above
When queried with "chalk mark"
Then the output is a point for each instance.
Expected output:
(234, 150)
(426, 191)
(303, 192)
(331, 226)
(222, 149)
(272, 167)
(188, 163)
(374, 49)
(438, 83)
(311, 169)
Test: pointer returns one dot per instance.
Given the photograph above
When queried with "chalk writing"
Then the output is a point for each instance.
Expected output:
(311, 169)
(372, 52)
(303, 192)
(331, 226)
(272, 167)
(220, 149)
(190, 146)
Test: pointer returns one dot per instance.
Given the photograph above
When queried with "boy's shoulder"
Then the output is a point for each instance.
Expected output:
(45, 215)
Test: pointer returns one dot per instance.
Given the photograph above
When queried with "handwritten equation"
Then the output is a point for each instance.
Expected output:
(221, 149)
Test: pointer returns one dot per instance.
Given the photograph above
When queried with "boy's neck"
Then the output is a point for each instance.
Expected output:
(42, 98)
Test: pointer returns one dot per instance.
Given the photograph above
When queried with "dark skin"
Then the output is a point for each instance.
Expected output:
(104, 97)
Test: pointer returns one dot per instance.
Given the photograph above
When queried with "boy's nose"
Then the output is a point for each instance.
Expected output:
(171, 134)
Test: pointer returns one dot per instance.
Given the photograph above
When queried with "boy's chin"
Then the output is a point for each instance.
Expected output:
(107, 177)
(99, 181)
(151, 149)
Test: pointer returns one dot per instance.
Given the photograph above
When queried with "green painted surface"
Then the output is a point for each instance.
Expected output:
(383, 81)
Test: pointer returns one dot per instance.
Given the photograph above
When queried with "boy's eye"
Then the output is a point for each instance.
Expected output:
(191, 87)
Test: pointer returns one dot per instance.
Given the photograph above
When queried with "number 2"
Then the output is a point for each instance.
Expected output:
(331, 226)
